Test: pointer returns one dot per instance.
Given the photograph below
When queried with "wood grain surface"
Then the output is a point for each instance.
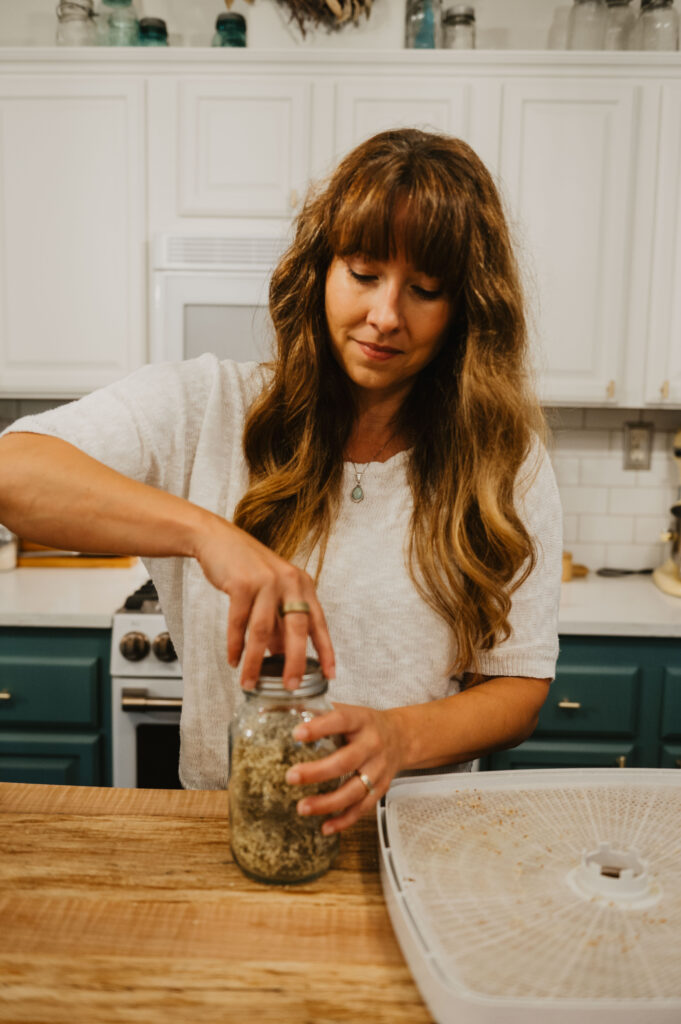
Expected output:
(126, 906)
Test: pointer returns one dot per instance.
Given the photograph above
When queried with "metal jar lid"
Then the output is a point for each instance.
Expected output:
(270, 683)
(463, 12)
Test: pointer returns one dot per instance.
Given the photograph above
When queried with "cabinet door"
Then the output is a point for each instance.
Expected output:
(566, 168)
(564, 754)
(53, 758)
(72, 233)
(242, 145)
(365, 106)
(663, 372)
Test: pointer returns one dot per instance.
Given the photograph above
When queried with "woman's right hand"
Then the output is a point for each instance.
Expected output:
(258, 582)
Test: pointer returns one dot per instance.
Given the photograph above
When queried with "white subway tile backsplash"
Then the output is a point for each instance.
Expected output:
(590, 555)
(634, 556)
(641, 501)
(608, 419)
(606, 529)
(605, 470)
(647, 529)
(562, 418)
(579, 442)
(570, 529)
(591, 500)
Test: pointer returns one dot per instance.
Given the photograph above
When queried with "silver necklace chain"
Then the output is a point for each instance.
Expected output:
(357, 494)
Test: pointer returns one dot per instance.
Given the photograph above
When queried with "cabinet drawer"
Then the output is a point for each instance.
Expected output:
(671, 703)
(590, 700)
(564, 754)
(670, 756)
(51, 758)
(38, 690)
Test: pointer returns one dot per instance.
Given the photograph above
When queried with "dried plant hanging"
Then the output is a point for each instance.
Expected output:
(332, 14)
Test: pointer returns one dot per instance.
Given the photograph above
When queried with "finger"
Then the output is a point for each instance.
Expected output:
(346, 796)
(295, 630)
(342, 762)
(319, 633)
(240, 605)
(343, 720)
(260, 630)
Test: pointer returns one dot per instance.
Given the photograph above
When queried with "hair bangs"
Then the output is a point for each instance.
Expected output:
(411, 216)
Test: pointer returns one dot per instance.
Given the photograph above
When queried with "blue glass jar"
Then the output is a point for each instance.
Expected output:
(230, 30)
(118, 25)
(153, 32)
(423, 25)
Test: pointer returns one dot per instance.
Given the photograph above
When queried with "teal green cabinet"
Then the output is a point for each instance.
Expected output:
(55, 696)
(615, 702)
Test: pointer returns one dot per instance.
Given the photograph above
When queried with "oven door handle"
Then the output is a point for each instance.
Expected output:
(138, 700)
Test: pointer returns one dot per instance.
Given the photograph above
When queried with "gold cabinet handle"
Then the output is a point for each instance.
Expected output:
(569, 705)
(610, 389)
(678, 762)
(664, 390)
(5, 695)
(622, 761)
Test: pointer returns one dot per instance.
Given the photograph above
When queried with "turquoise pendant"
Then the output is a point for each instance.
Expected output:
(357, 493)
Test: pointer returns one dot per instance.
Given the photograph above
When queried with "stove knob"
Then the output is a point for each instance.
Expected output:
(134, 646)
(163, 648)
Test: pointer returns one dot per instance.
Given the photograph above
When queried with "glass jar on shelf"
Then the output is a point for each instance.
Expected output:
(658, 25)
(270, 841)
(153, 32)
(619, 22)
(118, 24)
(423, 25)
(586, 25)
(230, 30)
(458, 27)
(76, 23)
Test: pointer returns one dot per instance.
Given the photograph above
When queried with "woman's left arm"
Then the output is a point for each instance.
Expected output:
(495, 713)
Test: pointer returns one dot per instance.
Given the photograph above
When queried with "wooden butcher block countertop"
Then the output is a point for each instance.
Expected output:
(126, 905)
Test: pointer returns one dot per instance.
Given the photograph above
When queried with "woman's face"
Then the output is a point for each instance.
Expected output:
(386, 321)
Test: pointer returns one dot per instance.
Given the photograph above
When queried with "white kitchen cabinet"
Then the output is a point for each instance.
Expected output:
(231, 147)
(566, 164)
(71, 232)
(663, 371)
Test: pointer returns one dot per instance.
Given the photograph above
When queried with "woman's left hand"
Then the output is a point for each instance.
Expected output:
(374, 748)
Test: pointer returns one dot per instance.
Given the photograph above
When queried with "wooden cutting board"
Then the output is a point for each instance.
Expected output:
(126, 906)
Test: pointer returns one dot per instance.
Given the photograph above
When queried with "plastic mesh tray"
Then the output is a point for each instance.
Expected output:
(546, 895)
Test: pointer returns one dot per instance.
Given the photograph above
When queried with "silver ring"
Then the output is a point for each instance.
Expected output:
(368, 784)
(294, 606)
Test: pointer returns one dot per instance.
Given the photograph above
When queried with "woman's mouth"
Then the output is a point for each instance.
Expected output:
(380, 353)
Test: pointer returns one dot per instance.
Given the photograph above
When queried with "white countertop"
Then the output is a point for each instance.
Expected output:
(77, 598)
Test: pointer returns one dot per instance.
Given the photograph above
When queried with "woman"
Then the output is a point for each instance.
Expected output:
(385, 475)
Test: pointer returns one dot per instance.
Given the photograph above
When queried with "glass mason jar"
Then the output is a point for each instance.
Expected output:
(153, 32)
(270, 841)
(458, 27)
(586, 25)
(76, 23)
(118, 25)
(619, 21)
(423, 25)
(659, 25)
(230, 30)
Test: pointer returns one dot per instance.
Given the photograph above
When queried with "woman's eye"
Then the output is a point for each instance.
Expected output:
(428, 293)
(361, 277)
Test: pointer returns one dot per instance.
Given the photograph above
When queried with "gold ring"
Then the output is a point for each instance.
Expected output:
(294, 606)
(368, 784)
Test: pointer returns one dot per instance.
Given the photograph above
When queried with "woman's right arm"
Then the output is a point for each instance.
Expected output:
(53, 493)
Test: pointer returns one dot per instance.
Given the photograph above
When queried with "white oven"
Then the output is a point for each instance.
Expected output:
(209, 293)
(146, 696)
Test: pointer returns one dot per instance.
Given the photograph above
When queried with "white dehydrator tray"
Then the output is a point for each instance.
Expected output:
(546, 896)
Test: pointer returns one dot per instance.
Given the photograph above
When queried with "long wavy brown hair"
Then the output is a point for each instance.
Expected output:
(471, 415)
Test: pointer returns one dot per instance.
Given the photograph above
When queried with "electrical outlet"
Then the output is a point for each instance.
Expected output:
(638, 445)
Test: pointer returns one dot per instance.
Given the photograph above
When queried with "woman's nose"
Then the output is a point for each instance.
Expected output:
(385, 313)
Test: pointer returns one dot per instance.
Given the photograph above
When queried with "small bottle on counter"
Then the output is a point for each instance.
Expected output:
(230, 30)
(458, 27)
(423, 25)
(586, 25)
(619, 22)
(153, 32)
(270, 841)
(658, 27)
(76, 23)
